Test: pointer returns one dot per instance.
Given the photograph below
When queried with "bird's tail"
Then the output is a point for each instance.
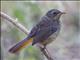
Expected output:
(20, 45)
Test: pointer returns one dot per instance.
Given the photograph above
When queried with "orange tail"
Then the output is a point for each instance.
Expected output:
(20, 45)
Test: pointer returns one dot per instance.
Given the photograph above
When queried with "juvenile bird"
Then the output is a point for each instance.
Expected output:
(49, 25)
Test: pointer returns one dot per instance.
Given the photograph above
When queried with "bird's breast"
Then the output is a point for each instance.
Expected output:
(54, 29)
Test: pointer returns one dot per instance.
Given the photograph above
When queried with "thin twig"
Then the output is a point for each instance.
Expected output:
(23, 29)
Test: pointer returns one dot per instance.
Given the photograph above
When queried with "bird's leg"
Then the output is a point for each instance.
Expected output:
(43, 47)
(45, 51)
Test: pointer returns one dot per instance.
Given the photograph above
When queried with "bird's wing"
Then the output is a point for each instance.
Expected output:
(44, 30)
(42, 24)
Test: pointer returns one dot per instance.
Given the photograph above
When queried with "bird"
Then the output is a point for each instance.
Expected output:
(49, 25)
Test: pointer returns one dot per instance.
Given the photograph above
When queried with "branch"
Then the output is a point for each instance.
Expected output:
(23, 29)
(14, 22)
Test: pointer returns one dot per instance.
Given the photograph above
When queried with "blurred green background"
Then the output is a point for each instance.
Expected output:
(65, 47)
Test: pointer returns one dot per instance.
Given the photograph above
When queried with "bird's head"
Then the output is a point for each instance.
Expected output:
(54, 14)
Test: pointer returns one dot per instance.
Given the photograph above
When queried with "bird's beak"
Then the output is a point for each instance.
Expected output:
(61, 13)
(58, 16)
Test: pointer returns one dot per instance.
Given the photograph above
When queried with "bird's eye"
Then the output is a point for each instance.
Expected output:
(54, 13)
